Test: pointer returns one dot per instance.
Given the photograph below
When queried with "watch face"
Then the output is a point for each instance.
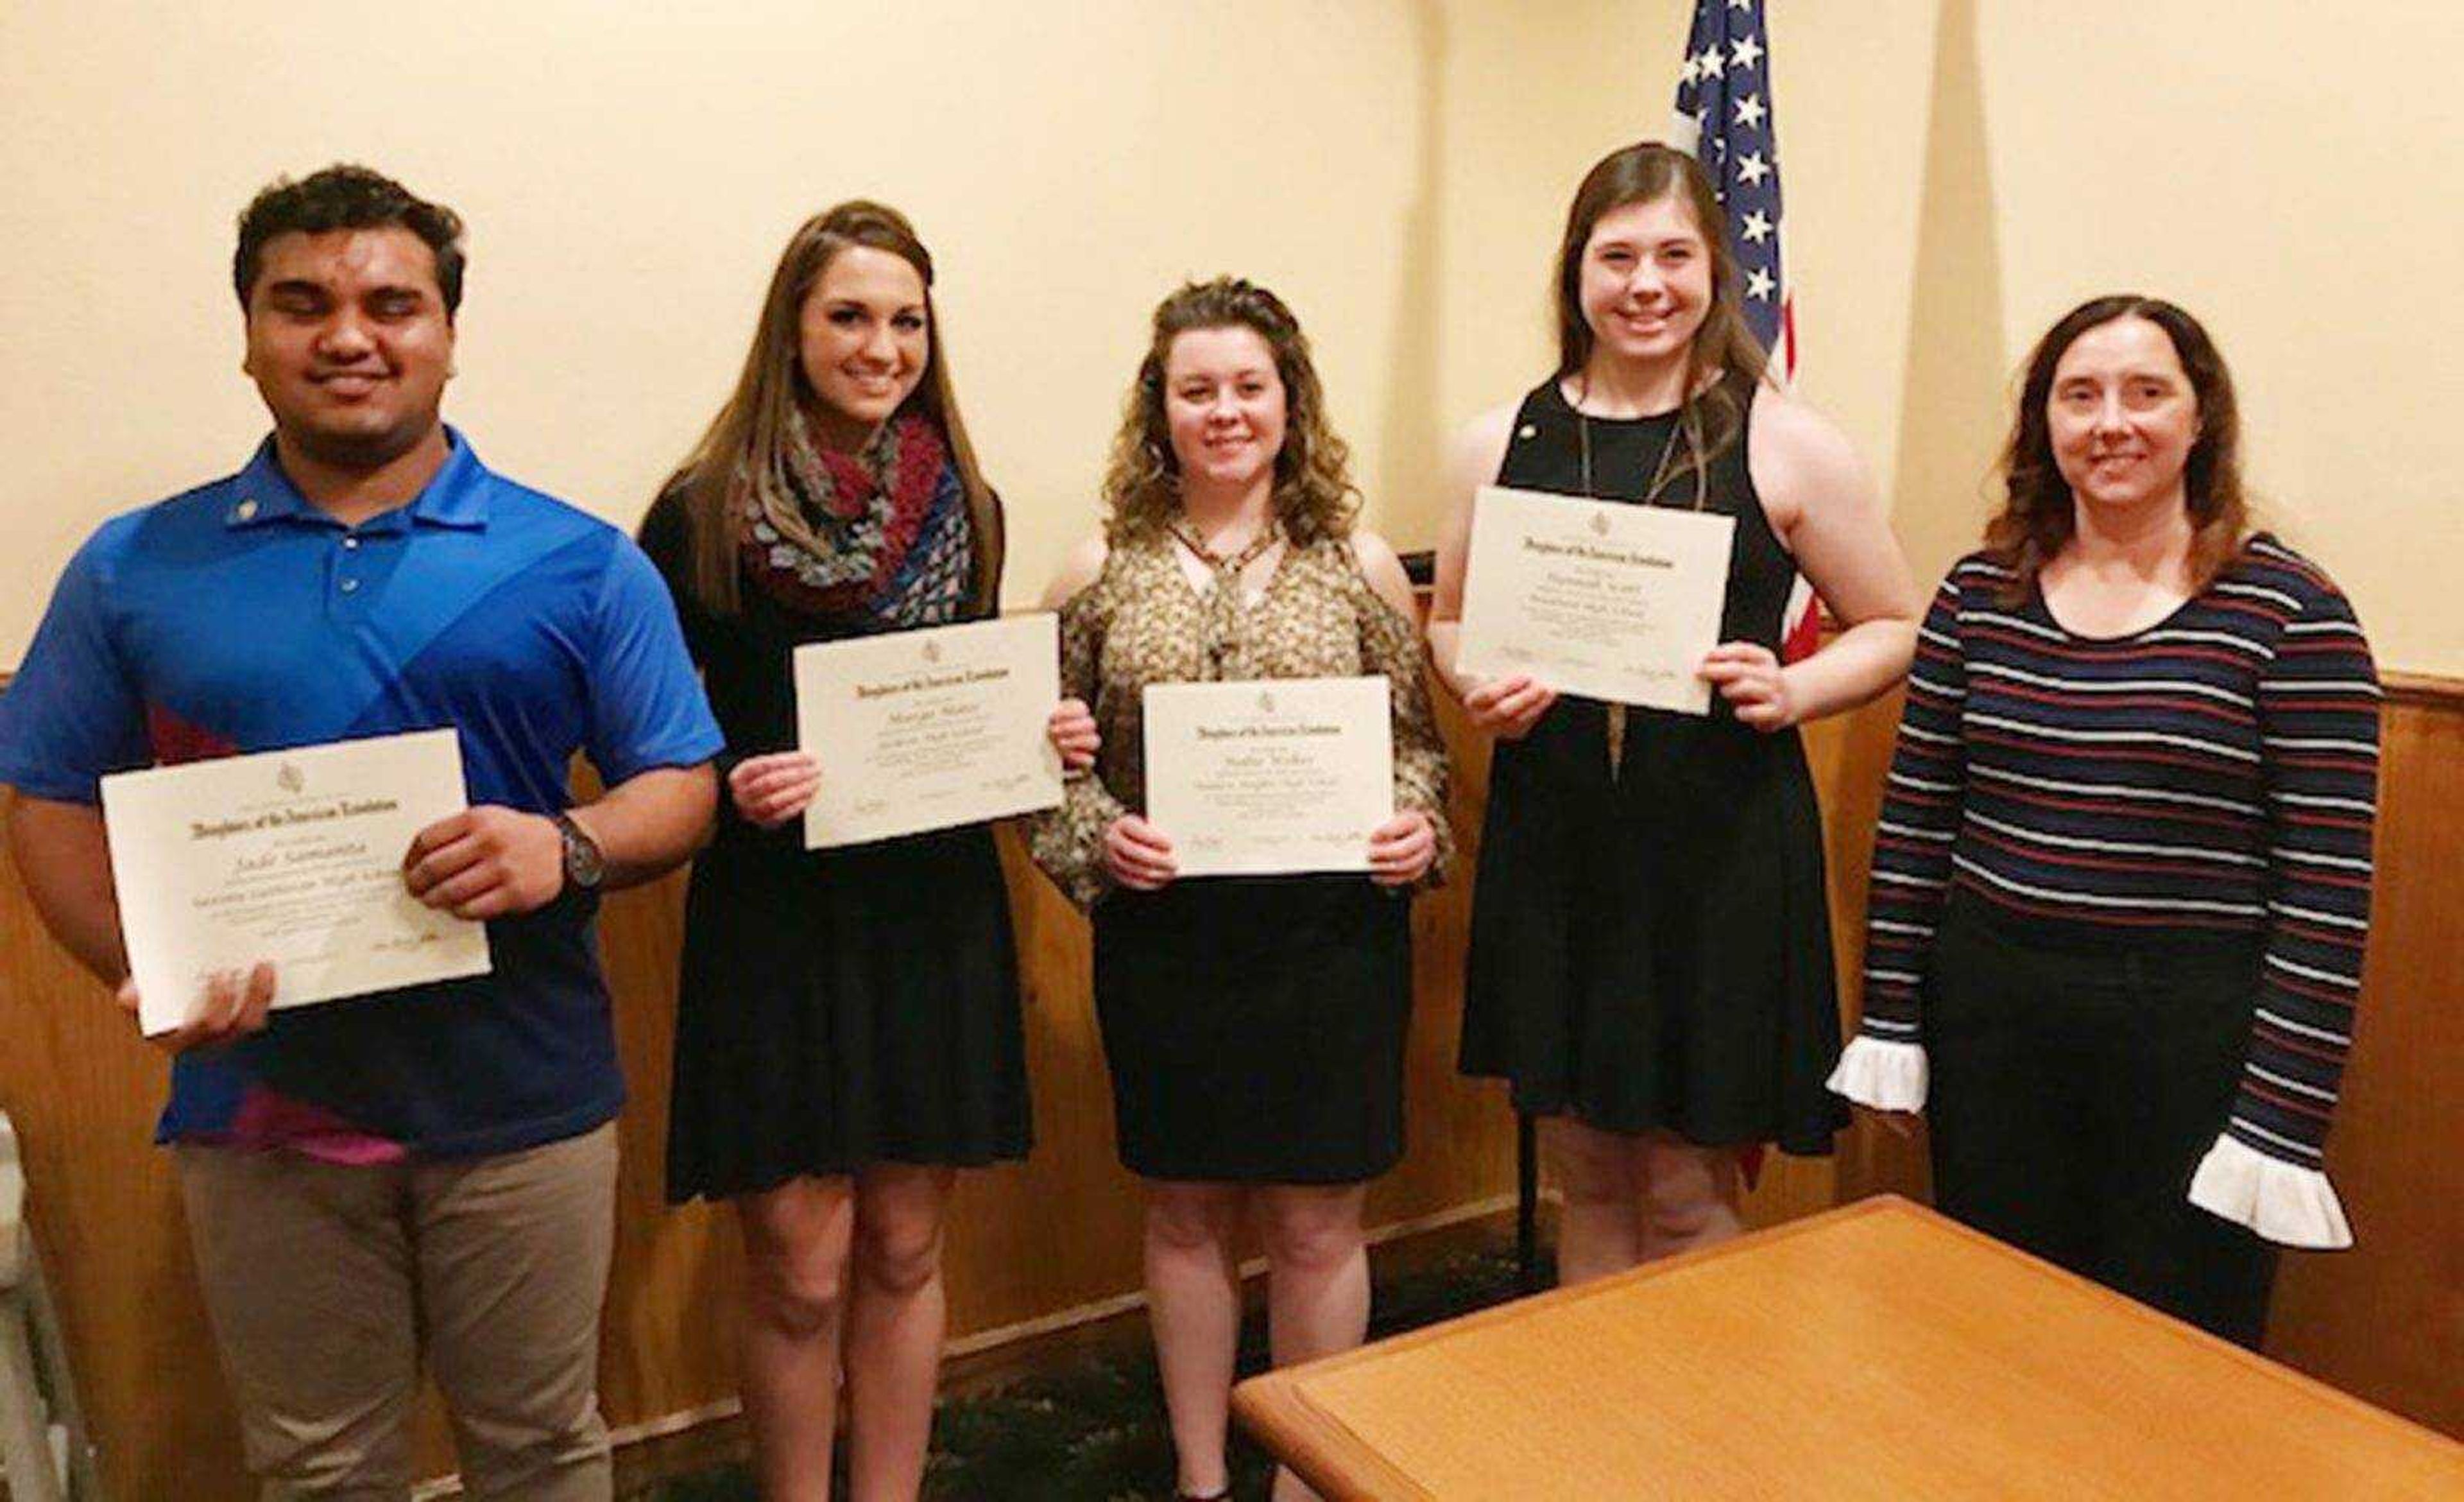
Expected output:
(583, 866)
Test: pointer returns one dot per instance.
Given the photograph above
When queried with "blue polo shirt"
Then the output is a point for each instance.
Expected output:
(240, 618)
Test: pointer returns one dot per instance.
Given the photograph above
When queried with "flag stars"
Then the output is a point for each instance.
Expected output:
(1759, 285)
(1708, 63)
(1752, 169)
(1745, 53)
(1756, 229)
(1750, 110)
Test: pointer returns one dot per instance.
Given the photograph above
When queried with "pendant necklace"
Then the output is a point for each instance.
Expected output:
(1222, 604)
(1616, 713)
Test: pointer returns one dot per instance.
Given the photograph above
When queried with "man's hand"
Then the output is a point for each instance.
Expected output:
(232, 1006)
(486, 862)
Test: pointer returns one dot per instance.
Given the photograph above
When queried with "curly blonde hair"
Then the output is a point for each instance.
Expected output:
(1315, 497)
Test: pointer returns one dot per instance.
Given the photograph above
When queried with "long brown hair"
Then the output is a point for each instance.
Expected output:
(742, 455)
(1315, 497)
(2039, 517)
(1725, 346)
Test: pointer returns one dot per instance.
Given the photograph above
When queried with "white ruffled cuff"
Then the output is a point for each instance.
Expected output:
(1887, 1076)
(2284, 1203)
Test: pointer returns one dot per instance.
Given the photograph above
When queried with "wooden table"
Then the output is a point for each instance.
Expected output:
(1876, 1351)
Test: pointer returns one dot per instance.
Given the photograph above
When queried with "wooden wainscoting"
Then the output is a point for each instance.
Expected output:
(2385, 1320)
(1032, 1245)
(1042, 1243)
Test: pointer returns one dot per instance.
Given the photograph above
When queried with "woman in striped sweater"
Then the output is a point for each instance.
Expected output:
(2122, 875)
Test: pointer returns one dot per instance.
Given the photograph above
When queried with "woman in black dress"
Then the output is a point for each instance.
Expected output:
(1253, 1025)
(1650, 953)
(847, 1030)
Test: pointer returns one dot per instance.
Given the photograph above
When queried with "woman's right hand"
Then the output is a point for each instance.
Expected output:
(769, 790)
(1072, 732)
(1507, 708)
(1137, 854)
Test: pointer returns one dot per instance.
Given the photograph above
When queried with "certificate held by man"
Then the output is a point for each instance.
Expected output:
(1270, 777)
(290, 857)
(1607, 599)
(929, 729)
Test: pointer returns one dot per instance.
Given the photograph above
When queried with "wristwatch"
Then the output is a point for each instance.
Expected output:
(586, 867)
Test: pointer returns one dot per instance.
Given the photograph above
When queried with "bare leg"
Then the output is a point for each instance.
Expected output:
(896, 1320)
(1599, 1226)
(1194, 1299)
(1688, 1193)
(796, 1240)
(1317, 1288)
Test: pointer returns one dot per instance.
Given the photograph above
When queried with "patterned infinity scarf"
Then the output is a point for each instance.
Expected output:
(882, 535)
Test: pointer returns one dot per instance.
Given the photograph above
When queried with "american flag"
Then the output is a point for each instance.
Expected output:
(1724, 117)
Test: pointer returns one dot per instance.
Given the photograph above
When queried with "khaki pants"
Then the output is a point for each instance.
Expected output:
(325, 1283)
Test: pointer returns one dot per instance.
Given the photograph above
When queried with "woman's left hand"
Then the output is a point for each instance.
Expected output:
(1401, 849)
(1752, 679)
(1072, 731)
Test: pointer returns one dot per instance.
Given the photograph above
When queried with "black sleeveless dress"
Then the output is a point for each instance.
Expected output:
(1651, 946)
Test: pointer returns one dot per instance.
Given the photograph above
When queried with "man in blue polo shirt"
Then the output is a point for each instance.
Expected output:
(432, 1166)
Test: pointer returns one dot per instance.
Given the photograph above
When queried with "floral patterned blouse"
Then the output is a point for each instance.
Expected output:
(1142, 621)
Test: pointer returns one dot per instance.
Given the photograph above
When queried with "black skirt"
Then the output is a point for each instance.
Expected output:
(1254, 1027)
(1652, 951)
(845, 1008)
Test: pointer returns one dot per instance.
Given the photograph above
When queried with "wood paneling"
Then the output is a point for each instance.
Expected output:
(1027, 1240)
(1060, 1231)
(2386, 1320)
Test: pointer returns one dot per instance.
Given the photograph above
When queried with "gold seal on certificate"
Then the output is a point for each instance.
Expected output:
(288, 856)
(1268, 777)
(929, 729)
(1608, 600)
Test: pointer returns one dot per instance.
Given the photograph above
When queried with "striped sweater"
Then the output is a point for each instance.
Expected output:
(2216, 772)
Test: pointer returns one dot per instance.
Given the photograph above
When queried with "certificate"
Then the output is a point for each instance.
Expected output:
(929, 729)
(1605, 599)
(288, 856)
(1272, 776)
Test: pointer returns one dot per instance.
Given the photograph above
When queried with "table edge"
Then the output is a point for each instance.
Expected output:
(1264, 1390)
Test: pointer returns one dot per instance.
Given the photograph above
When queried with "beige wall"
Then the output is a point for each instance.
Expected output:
(630, 172)
(2290, 178)
(1958, 171)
